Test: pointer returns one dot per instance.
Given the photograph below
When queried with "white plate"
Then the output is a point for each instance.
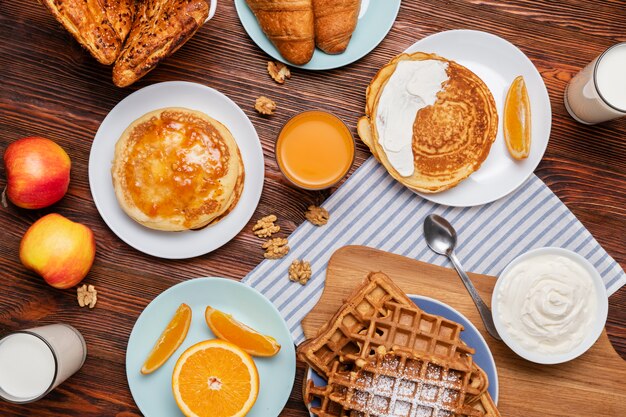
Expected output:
(175, 245)
(497, 62)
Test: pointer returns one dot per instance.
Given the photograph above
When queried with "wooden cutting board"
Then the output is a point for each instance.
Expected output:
(593, 385)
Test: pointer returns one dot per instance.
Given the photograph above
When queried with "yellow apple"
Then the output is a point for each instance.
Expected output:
(58, 249)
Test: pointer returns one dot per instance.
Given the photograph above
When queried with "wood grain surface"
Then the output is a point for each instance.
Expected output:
(50, 86)
(589, 392)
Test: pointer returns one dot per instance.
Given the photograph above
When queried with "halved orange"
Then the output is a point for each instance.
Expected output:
(215, 378)
(517, 119)
(227, 328)
(171, 338)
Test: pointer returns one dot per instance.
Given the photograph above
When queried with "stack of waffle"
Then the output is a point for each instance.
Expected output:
(384, 357)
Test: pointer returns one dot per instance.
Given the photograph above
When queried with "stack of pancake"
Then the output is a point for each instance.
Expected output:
(177, 169)
(450, 139)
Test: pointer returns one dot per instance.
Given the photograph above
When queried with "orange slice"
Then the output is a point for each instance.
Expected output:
(227, 328)
(517, 119)
(215, 378)
(169, 341)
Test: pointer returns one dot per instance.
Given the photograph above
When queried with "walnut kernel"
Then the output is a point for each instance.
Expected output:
(265, 105)
(317, 215)
(278, 71)
(87, 296)
(300, 271)
(275, 248)
(265, 226)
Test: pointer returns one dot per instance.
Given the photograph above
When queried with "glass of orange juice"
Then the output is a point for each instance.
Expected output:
(315, 150)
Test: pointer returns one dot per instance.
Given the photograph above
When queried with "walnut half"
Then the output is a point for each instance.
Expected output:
(87, 296)
(265, 105)
(300, 271)
(276, 248)
(317, 215)
(278, 71)
(265, 226)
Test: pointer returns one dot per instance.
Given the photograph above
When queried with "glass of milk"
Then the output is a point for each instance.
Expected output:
(35, 361)
(598, 92)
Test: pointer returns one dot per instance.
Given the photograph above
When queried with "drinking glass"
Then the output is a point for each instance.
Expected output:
(35, 361)
(598, 92)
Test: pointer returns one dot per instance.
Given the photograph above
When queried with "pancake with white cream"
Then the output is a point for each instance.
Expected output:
(429, 120)
(177, 169)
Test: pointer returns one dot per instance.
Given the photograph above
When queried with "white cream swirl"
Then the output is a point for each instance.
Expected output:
(412, 86)
(547, 303)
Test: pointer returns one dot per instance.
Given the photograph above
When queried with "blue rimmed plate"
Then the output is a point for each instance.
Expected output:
(153, 392)
(375, 21)
(471, 336)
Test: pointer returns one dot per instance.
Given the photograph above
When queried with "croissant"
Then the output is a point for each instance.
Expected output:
(289, 25)
(160, 28)
(101, 26)
(335, 20)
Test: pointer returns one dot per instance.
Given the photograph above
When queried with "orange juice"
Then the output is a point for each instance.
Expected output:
(315, 150)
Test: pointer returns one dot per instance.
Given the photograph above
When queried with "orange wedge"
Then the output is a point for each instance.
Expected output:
(169, 341)
(215, 378)
(517, 119)
(227, 328)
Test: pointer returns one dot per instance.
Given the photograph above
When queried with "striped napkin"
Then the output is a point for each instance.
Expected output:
(373, 209)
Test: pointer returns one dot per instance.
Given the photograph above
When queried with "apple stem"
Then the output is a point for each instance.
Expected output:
(3, 199)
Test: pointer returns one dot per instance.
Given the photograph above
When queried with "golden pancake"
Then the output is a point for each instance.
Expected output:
(177, 169)
(450, 139)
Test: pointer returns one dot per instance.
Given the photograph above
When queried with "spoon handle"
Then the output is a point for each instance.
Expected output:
(484, 311)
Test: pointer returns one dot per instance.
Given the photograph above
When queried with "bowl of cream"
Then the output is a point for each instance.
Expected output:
(549, 305)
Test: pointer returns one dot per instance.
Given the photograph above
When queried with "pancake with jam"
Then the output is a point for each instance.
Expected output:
(429, 120)
(177, 169)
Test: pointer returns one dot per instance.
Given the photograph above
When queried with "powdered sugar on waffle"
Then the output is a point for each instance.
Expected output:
(398, 395)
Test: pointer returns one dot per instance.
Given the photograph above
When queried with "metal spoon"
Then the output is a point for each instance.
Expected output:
(441, 237)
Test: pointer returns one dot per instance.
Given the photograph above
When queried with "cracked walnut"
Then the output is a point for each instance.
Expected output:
(317, 215)
(278, 71)
(275, 248)
(265, 105)
(265, 226)
(300, 271)
(87, 296)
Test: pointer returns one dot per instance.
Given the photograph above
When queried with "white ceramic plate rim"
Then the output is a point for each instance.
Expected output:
(338, 60)
(598, 324)
(500, 174)
(445, 306)
(289, 349)
(175, 245)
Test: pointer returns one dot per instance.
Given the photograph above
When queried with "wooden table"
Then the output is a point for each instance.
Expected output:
(51, 87)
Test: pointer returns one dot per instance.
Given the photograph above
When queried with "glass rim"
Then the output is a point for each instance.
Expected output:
(595, 77)
(54, 377)
(303, 187)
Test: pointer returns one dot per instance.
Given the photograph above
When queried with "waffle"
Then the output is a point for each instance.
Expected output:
(397, 384)
(380, 316)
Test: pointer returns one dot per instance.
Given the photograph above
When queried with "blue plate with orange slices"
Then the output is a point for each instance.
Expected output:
(153, 392)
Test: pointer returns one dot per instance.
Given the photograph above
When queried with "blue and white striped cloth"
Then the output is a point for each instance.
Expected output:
(373, 209)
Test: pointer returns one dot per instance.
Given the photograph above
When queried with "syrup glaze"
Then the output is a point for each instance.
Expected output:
(174, 166)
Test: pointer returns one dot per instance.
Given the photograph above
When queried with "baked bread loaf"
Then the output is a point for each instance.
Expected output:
(101, 26)
(160, 28)
(289, 26)
(177, 169)
(335, 20)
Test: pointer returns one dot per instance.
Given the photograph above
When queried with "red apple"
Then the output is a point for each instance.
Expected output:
(38, 172)
(58, 249)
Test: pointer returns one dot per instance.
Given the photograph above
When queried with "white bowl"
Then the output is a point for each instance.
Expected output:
(597, 325)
